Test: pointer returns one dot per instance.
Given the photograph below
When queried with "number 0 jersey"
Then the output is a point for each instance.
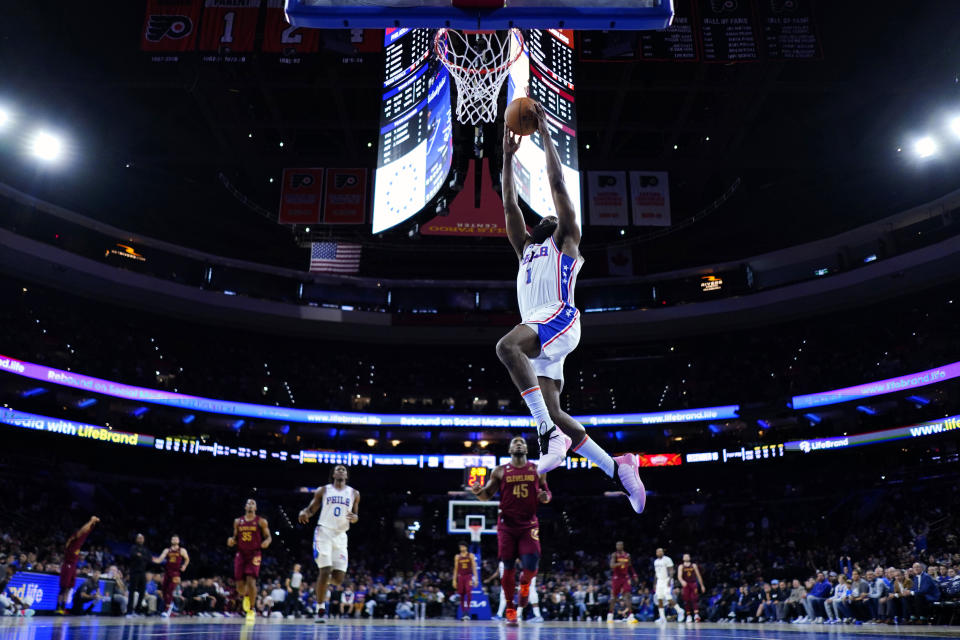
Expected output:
(547, 276)
(336, 504)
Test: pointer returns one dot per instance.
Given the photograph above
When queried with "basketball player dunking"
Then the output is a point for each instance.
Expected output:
(68, 568)
(534, 351)
(521, 487)
(250, 534)
(174, 560)
(464, 578)
(688, 574)
(340, 504)
(621, 580)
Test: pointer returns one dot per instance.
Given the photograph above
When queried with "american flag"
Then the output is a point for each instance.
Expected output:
(335, 257)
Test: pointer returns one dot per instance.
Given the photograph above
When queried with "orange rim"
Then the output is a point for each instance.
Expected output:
(441, 40)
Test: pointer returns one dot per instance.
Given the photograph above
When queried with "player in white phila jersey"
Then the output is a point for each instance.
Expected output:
(663, 587)
(339, 503)
(533, 352)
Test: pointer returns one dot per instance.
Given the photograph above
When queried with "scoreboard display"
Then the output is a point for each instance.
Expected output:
(415, 146)
(545, 72)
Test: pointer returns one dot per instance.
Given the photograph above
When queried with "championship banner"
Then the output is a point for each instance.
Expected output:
(229, 25)
(607, 198)
(469, 218)
(650, 198)
(170, 25)
(301, 196)
(279, 36)
(345, 201)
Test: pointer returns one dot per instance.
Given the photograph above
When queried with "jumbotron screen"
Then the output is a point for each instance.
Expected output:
(545, 72)
(416, 128)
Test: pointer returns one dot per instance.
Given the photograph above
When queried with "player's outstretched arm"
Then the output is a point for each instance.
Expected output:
(312, 508)
(265, 537)
(488, 490)
(163, 556)
(516, 227)
(567, 228)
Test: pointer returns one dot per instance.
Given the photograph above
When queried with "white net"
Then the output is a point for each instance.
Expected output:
(479, 62)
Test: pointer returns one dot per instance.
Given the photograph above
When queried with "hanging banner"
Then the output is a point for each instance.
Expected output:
(170, 25)
(650, 198)
(301, 196)
(469, 218)
(620, 261)
(345, 201)
(279, 36)
(229, 25)
(607, 198)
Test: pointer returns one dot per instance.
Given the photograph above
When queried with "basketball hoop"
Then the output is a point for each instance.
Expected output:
(476, 530)
(479, 62)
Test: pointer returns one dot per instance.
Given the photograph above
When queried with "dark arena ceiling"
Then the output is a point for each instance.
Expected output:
(811, 145)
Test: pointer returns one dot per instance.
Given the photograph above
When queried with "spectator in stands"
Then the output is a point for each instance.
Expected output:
(856, 602)
(767, 611)
(813, 602)
(833, 604)
(346, 602)
(925, 591)
(793, 604)
(745, 604)
(120, 596)
(879, 588)
(405, 608)
(8, 602)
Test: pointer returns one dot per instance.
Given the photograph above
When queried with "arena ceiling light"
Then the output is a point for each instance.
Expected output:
(46, 146)
(5, 118)
(954, 125)
(925, 147)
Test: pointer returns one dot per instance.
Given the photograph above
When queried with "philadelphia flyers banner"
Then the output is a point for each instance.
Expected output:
(229, 25)
(301, 196)
(170, 25)
(345, 201)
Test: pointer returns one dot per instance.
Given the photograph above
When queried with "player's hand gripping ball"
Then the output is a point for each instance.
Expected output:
(521, 116)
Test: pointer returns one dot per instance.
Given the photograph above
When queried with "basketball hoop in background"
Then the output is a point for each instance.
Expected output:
(476, 530)
(479, 62)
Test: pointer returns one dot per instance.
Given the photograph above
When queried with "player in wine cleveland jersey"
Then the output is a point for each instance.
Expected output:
(251, 534)
(464, 578)
(533, 352)
(621, 580)
(71, 556)
(338, 504)
(691, 585)
(174, 560)
(521, 488)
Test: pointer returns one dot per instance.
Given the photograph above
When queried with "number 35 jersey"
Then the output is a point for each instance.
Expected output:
(518, 496)
(336, 504)
(547, 276)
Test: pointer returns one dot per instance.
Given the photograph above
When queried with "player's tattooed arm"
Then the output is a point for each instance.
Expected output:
(544, 494)
(354, 514)
(265, 537)
(487, 491)
(312, 508)
(232, 540)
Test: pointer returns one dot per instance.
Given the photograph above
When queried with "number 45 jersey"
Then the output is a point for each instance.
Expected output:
(518, 496)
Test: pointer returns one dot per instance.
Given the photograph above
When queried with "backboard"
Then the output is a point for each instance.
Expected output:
(461, 513)
(630, 15)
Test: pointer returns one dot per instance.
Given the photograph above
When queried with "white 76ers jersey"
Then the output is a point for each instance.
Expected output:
(547, 276)
(336, 504)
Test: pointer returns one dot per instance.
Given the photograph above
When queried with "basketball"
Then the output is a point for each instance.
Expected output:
(521, 116)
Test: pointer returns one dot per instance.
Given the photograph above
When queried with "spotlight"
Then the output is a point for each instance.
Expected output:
(954, 124)
(5, 118)
(46, 146)
(925, 147)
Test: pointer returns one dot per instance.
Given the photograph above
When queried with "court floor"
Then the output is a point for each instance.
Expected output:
(235, 629)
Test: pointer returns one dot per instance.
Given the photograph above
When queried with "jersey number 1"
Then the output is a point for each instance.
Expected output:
(528, 275)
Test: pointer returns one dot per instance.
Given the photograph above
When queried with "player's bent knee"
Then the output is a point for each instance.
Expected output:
(530, 561)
